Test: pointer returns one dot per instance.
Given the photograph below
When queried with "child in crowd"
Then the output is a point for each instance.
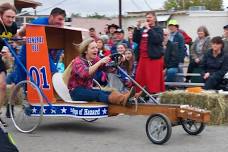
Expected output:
(101, 76)
(114, 80)
(129, 66)
(60, 65)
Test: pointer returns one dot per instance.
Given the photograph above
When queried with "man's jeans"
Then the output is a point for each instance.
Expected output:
(171, 74)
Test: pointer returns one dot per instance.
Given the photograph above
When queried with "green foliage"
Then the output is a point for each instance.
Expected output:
(75, 15)
(214, 5)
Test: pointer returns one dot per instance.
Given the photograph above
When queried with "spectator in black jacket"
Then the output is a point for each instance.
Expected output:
(225, 38)
(170, 57)
(177, 38)
(215, 64)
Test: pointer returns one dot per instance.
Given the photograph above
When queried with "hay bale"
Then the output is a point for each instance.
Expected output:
(216, 103)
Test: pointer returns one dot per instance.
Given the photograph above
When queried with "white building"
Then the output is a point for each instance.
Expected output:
(188, 20)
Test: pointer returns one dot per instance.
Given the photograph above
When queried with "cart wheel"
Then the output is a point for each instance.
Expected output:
(89, 119)
(21, 116)
(158, 128)
(192, 127)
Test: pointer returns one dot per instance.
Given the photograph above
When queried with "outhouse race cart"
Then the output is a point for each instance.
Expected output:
(45, 94)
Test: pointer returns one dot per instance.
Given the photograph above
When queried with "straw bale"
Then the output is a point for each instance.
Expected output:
(216, 103)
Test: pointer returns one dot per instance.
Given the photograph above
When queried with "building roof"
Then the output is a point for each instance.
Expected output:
(163, 18)
(19, 4)
(164, 13)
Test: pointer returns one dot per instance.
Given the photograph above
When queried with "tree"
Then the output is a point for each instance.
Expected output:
(75, 15)
(96, 15)
(214, 5)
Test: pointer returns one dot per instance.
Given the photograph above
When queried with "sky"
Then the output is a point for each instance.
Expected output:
(107, 7)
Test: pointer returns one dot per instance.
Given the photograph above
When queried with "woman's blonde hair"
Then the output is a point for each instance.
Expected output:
(83, 46)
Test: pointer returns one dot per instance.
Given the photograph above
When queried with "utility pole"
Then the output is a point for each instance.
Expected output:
(35, 12)
(120, 13)
(183, 4)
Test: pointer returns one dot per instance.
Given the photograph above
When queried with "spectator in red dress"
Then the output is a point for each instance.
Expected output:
(149, 72)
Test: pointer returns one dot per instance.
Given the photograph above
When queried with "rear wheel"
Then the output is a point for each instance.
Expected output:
(22, 115)
(192, 127)
(158, 128)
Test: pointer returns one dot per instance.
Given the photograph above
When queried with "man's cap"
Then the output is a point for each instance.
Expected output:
(113, 25)
(225, 27)
(92, 29)
(119, 30)
(130, 27)
(173, 22)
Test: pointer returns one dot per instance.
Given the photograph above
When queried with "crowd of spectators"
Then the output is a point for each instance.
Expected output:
(151, 55)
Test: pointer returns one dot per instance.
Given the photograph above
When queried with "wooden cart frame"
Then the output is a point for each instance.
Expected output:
(40, 98)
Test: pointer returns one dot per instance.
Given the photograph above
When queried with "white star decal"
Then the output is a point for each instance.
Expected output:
(63, 110)
(44, 110)
(104, 111)
(53, 111)
(34, 110)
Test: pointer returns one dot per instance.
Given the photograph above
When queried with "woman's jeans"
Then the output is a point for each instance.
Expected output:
(85, 94)
(171, 74)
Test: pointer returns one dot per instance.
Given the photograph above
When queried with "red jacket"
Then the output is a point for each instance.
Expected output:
(187, 38)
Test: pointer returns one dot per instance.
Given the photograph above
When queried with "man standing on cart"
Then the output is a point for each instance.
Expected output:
(8, 29)
(56, 18)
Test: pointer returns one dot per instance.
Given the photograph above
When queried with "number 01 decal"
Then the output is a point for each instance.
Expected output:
(39, 76)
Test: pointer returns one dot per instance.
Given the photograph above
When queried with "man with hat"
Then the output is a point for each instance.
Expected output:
(177, 38)
(119, 39)
(93, 33)
(225, 39)
(130, 28)
(111, 29)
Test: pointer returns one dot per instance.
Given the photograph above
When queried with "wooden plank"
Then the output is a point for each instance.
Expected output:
(173, 112)
(146, 109)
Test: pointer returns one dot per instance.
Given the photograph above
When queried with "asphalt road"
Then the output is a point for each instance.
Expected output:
(116, 134)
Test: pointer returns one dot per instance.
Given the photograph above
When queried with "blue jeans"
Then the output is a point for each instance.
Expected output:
(11, 78)
(84, 94)
(171, 74)
(180, 70)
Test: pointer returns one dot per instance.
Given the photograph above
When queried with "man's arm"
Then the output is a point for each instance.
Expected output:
(21, 31)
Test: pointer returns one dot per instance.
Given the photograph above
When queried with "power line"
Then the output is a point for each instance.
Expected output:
(147, 4)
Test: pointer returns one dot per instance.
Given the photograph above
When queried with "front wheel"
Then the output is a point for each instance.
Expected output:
(89, 119)
(192, 127)
(158, 128)
(22, 115)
